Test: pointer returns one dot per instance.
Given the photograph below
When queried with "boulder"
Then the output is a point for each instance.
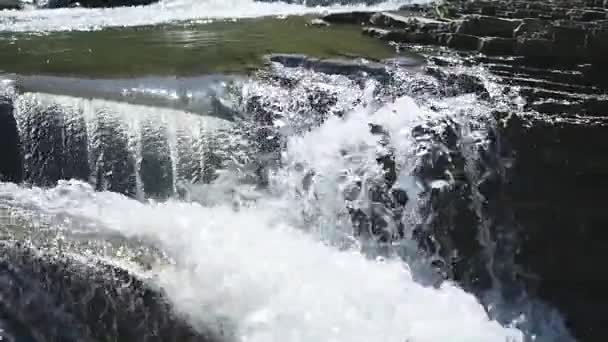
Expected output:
(532, 28)
(463, 41)
(391, 20)
(10, 4)
(563, 233)
(356, 18)
(401, 36)
(318, 23)
(376, 32)
(478, 25)
(587, 15)
(65, 298)
(569, 43)
(497, 46)
(534, 48)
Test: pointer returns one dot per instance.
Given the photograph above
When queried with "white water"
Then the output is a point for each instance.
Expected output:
(78, 19)
(266, 280)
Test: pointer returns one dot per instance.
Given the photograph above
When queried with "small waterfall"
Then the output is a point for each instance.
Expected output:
(136, 150)
(365, 207)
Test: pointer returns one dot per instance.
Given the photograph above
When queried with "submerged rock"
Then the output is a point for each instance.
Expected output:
(318, 22)
(345, 67)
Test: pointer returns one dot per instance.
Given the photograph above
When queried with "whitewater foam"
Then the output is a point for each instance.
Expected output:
(273, 282)
(81, 19)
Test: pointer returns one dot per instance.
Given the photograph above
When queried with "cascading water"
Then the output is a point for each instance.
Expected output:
(308, 230)
(118, 147)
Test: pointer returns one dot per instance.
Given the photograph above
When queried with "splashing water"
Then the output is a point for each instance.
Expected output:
(254, 274)
(80, 19)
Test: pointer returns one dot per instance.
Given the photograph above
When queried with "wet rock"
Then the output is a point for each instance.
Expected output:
(377, 32)
(11, 163)
(406, 36)
(62, 299)
(497, 46)
(357, 18)
(389, 167)
(391, 20)
(400, 196)
(458, 84)
(417, 8)
(569, 43)
(449, 230)
(534, 48)
(488, 10)
(318, 23)
(573, 36)
(538, 186)
(588, 15)
(10, 4)
(463, 41)
(563, 227)
(405, 61)
(332, 66)
(488, 26)
(532, 28)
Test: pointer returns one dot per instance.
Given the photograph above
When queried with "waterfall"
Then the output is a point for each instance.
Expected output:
(131, 149)
(334, 207)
